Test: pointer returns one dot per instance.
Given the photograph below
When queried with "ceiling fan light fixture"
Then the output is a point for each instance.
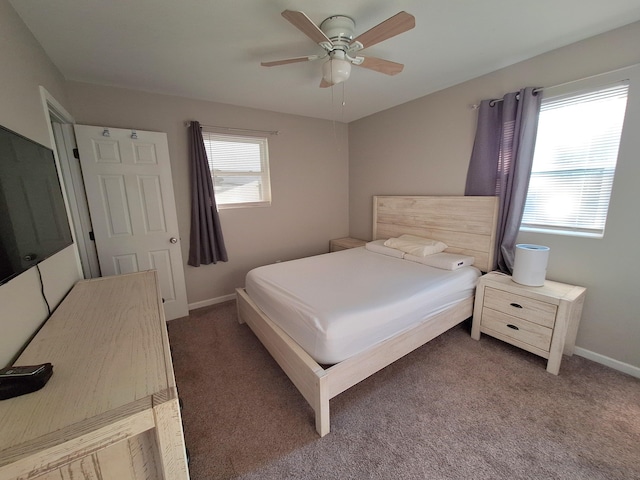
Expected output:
(336, 70)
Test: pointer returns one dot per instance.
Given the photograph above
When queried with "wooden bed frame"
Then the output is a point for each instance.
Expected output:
(466, 224)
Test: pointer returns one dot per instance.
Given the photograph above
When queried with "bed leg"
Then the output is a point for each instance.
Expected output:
(322, 407)
(239, 300)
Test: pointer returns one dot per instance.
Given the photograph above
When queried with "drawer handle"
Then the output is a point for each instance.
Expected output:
(517, 305)
(512, 326)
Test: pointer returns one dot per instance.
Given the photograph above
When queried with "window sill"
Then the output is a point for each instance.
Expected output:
(230, 206)
(565, 233)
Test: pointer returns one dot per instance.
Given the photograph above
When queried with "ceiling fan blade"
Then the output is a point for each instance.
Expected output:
(325, 84)
(399, 23)
(306, 26)
(383, 66)
(275, 63)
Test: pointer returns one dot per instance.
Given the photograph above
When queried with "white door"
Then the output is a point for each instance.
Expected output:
(127, 177)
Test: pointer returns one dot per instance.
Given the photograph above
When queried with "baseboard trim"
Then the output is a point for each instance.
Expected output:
(211, 301)
(609, 362)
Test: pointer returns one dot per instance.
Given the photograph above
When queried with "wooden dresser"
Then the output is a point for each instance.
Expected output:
(110, 411)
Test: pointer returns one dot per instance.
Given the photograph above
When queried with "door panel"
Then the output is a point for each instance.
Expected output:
(123, 264)
(116, 206)
(145, 154)
(106, 151)
(130, 196)
(152, 204)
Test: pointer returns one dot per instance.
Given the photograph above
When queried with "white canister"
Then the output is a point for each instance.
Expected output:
(530, 264)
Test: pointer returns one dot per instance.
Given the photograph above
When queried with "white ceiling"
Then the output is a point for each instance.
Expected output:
(212, 50)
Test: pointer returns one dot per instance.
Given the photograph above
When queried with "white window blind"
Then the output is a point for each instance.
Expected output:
(240, 169)
(574, 162)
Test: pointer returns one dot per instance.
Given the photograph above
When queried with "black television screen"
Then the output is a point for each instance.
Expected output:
(33, 218)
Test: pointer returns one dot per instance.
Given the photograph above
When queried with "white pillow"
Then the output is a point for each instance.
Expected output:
(445, 261)
(414, 245)
(377, 246)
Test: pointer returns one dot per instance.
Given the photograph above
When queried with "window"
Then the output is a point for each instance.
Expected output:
(575, 161)
(240, 169)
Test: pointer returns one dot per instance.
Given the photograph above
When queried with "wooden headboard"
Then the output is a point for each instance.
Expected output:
(466, 224)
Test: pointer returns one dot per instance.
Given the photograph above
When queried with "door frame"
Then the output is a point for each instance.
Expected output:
(75, 203)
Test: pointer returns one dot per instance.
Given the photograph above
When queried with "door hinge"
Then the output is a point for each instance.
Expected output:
(92, 236)
(76, 154)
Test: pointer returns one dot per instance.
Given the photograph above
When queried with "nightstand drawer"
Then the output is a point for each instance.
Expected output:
(516, 328)
(525, 308)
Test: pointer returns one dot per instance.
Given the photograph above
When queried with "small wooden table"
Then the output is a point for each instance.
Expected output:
(110, 410)
(542, 320)
(345, 243)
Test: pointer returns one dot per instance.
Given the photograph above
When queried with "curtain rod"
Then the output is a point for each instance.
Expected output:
(493, 101)
(476, 106)
(239, 130)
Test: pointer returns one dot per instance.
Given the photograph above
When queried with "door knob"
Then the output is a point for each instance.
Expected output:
(173, 240)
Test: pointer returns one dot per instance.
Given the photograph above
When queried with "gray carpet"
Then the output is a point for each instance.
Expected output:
(453, 409)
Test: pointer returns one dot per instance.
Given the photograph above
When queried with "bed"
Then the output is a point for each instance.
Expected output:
(466, 225)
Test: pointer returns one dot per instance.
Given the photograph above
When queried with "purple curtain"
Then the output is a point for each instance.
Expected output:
(501, 163)
(206, 244)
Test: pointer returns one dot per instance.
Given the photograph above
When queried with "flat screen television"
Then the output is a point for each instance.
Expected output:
(33, 218)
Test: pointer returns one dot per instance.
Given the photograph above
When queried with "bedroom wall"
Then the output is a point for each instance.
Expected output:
(309, 179)
(25, 67)
(423, 147)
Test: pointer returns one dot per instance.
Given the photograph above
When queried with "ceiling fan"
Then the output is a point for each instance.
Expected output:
(335, 36)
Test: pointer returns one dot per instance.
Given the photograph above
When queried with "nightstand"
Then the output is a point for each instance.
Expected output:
(345, 243)
(542, 320)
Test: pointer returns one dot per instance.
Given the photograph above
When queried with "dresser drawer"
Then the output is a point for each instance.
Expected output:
(513, 327)
(529, 309)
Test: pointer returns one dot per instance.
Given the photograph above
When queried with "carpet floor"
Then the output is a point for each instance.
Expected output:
(453, 409)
